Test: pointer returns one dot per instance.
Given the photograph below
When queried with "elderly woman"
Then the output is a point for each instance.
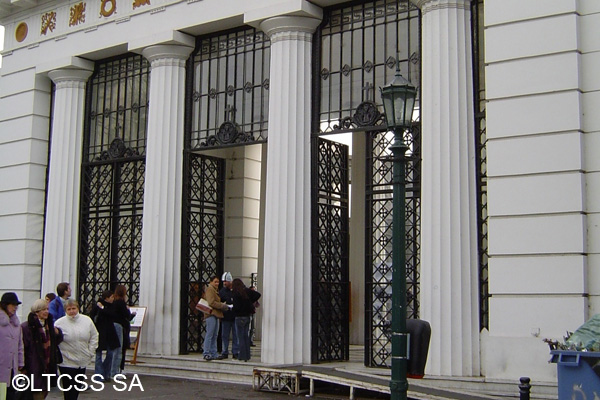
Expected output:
(11, 342)
(40, 340)
(78, 348)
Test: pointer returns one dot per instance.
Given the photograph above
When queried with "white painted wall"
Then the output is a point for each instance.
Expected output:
(542, 202)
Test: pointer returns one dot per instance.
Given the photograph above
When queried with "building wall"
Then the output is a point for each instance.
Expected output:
(541, 172)
(24, 116)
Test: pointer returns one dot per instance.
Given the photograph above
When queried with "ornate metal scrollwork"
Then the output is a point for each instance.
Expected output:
(117, 149)
(228, 133)
(366, 114)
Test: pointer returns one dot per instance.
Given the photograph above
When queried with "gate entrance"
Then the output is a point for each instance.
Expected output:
(202, 240)
(330, 336)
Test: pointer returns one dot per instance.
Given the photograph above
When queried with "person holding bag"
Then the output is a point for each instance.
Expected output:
(211, 295)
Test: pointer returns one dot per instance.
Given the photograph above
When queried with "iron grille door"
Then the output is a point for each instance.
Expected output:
(202, 244)
(378, 271)
(111, 228)
(330, 276)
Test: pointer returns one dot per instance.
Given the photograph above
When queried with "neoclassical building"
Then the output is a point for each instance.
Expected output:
(156, 143)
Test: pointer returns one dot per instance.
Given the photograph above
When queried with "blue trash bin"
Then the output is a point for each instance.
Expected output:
(578, 374)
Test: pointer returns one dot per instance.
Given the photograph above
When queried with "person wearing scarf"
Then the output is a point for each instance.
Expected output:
(40, 340)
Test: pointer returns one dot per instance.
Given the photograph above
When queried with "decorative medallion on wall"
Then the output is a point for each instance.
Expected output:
(77, 15)
(48, 22)
(108, 7)
(139, 3)
(21, 32)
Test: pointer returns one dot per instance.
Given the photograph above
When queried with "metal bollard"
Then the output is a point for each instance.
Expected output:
(524, 388)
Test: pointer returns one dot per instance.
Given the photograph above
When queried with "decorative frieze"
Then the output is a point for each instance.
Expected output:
(48, 22)
(77, 14)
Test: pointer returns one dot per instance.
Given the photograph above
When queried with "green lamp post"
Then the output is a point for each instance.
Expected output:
(398, 103)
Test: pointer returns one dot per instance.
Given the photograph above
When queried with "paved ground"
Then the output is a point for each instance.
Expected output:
(175, 388)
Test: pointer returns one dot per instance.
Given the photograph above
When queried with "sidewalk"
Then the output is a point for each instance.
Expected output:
(174, 388)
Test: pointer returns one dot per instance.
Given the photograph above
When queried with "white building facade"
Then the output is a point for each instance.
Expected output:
(156, 143)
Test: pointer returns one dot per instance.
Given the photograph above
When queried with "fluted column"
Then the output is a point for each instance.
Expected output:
(63, 187)
(286, 312)
(161, 233)
(449, 263)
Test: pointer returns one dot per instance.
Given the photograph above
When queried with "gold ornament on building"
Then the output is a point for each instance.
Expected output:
(21, 32)
(139, 3)
(77, 14)
(48, 22)
(113, 8)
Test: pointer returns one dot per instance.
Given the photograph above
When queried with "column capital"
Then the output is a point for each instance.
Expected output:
(59, 76)
(289, 27)
(429, 5)
(166, 52)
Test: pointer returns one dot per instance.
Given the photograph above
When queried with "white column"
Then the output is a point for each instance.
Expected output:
(449, 263)
(287, 299)
(161, 233)
(63, 188)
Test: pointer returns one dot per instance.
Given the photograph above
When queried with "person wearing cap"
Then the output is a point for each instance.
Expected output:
(228, 321)
(11, 342)
(40, 340)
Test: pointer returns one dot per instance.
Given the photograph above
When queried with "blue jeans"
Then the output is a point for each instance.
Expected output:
(228, 327)
(104, 367)
(117, 353)
(242, 325)
(210, 339)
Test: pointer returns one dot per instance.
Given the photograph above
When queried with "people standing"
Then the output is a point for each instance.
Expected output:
(40, 340)
(211, 295)
(243, 307)
(80, 340)
(11, 342)
(49, 297)
(57, 306)
(103, 316)
(122, 324)
(228, 320)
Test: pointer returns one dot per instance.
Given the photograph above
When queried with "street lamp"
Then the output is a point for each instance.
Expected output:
(398, 103)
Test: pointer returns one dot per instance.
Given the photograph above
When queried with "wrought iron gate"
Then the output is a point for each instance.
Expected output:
(202, 241)
(378, 277)
(330, 335)
(358, 47)
(112, 184)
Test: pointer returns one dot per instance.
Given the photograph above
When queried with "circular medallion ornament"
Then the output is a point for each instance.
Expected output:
(366, 114)
(21, 32)
(117, 148)
(227, 133)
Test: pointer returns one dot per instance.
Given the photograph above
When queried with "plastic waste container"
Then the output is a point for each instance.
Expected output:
(420, 335)
(578, 374)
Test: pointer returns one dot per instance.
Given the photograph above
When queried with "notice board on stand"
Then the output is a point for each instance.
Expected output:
(136, 330)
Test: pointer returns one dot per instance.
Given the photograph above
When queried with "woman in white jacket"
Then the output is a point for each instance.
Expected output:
(78, 347)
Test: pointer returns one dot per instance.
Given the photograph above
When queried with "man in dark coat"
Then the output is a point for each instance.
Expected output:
(104, 317)
(228, 321)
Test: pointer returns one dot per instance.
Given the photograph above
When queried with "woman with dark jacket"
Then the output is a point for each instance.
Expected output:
(243, 307)
(104, 317)
(40, 341)
(122, 325)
